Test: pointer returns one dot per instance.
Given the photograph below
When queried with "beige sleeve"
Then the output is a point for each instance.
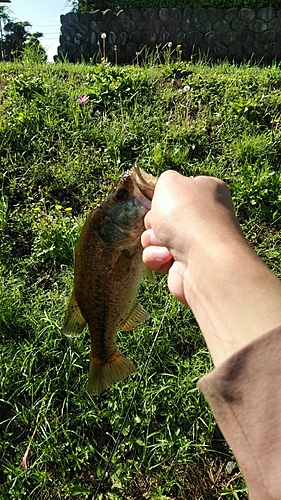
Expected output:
(244, 393)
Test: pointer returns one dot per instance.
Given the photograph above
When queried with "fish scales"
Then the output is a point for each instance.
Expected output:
(107, 273)
(103, 290)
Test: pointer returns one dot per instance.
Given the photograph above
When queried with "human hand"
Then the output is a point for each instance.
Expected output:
(186, 215)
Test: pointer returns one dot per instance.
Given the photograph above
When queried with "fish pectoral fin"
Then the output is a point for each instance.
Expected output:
(137, 316)
(74, 323)
(103, 374)
(149, 274)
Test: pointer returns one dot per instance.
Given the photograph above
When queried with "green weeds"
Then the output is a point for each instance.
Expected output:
(58, 157)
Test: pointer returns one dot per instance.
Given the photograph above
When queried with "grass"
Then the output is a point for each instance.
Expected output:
(58, 158)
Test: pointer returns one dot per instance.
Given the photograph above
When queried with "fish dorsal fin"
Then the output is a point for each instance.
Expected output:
(149, 274)
(74, 322)
(137, 316)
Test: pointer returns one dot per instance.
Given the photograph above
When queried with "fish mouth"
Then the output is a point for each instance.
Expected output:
(145, 182)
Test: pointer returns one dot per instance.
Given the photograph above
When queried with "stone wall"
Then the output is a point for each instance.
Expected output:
(233, 34)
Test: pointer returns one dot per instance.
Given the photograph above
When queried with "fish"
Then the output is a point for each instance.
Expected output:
(108, 268)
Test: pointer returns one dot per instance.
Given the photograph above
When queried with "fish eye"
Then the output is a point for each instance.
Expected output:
(122, 194)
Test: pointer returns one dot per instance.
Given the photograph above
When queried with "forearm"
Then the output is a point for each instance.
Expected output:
(233, 295)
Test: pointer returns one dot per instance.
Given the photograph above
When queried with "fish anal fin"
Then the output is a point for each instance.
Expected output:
(137, 316)
(103, 374)
(74, 322)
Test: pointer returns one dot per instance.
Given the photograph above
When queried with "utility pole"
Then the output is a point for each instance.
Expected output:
(1, 33)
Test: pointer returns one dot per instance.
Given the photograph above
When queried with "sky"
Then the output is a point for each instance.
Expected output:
(44, 16)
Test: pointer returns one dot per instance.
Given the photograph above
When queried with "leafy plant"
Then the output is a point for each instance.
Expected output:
(92, 5)
(60, 153)
(117, 87)
(232, 492)
(26, 86)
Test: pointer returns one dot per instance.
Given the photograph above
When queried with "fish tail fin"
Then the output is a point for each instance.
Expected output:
(103, 374)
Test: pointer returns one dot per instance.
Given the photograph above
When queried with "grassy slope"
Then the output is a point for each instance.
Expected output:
(57, 159)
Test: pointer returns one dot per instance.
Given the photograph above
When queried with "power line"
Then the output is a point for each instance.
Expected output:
(48, 25)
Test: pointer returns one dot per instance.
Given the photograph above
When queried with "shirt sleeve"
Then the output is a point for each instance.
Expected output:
(244, 393)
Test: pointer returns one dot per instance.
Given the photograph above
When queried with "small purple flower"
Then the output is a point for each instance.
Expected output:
(24, 460)
(82, 99)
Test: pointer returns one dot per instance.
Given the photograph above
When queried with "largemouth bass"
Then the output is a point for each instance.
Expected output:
(107, 272)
